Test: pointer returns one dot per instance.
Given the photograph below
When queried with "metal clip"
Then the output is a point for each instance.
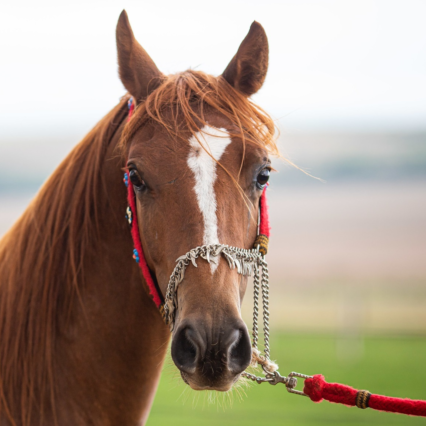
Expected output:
(290, 381)
(276, 377)
(293, 376)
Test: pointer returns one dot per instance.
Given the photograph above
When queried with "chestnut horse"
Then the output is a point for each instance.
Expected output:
(81, 341)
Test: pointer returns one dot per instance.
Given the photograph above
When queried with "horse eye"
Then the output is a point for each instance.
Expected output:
(136, 180)
(262, 178)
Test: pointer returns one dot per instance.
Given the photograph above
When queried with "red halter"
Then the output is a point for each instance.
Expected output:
(261, 241)
(315, 387)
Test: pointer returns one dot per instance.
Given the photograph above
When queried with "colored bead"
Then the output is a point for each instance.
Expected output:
(136, 255)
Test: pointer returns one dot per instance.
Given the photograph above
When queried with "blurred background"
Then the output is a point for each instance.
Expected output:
(347, 87)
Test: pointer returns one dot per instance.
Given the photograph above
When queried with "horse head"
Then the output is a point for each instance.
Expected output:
(198, 156)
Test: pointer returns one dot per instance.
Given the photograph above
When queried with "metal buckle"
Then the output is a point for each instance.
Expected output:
(290, 381)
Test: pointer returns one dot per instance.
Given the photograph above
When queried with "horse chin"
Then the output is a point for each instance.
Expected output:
(222, 387)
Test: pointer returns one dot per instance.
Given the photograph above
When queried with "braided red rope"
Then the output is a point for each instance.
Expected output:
(318, 389)
(138, 251)
(264, 226)
(139, 255)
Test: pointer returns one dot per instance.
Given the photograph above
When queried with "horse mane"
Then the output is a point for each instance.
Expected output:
(173, 106)
(41, 258)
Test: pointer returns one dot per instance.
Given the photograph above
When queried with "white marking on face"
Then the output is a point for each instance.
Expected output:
(204, 168)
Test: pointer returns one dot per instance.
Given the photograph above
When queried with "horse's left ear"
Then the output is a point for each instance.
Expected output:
(247, 70)
(137, 70)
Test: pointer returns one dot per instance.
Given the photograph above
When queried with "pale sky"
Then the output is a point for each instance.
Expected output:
(334, 64)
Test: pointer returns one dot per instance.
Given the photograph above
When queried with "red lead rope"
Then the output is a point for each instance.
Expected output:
(318, 389)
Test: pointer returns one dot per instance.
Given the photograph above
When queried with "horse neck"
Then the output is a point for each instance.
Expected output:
(121, 338)
(119, 324)
(110, 341)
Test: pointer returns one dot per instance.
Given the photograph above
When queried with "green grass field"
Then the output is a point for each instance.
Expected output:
(384, 365)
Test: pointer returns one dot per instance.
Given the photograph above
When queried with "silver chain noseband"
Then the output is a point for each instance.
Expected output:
(247, 262)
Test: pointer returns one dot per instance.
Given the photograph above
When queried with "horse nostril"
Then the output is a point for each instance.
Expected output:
(184, 350)
(239, 352)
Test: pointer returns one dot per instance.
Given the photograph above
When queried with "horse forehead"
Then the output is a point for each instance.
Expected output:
(160, 149)
(215, 155)
(221, 145)
(162, 155)
(209, 142)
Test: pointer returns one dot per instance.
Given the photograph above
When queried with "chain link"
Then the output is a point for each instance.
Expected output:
(255, 331)
(265, 303)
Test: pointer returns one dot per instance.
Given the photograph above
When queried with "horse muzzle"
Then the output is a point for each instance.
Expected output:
(211, 358)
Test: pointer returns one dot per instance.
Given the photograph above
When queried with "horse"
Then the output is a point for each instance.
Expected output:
(81, 341)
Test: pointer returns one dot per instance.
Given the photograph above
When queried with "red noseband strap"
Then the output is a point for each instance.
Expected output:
(261, 241)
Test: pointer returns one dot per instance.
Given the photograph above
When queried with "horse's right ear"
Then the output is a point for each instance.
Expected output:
(137, 70)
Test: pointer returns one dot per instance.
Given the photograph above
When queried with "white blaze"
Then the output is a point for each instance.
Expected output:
(204, 168)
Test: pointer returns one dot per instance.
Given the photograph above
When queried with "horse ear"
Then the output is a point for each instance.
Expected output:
(247, 70)
(137, 70)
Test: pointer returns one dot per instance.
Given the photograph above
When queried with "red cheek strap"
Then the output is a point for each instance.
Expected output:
(132, 218)
(138, 253)
(262, 239)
